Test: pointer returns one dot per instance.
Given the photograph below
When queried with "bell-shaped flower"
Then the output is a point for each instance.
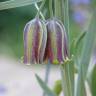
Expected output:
(35, 38)
(56, 48)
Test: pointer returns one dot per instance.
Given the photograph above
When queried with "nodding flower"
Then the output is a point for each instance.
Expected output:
(45, 42)
(56, 48)
(35, 38)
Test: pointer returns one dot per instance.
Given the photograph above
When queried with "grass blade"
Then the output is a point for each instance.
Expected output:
(88, 46)
(16, 3)
(47, 73)
(79, 39)
(86, 56)
(47, 90)
(93, 82)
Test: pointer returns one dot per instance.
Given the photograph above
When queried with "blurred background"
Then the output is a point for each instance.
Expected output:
(12, 22)
(17, 79)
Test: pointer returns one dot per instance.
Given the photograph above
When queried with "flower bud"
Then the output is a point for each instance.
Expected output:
(35, 37)
(56, 48)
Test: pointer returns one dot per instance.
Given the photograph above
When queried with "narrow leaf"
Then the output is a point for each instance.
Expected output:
(47, 90)
(79, 39)
(47, 73)
(88, 46)
(86, 56)
(93, 83)
(16, 3)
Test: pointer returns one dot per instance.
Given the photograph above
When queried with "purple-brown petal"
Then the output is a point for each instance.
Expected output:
(35, 36)
(55, 41)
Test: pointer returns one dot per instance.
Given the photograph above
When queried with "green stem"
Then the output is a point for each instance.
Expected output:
(42, 5)
(59, 9)
(62, 10)
(66, 21)
(50, 8)
(68, 78)
(80, 87)
(42, 16)
(57, 4)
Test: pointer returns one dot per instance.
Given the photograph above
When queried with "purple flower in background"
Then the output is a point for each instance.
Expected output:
(3, 90)
(77, 2)
(95, 60)
(79, 17)
(94, 57)
(80, 13)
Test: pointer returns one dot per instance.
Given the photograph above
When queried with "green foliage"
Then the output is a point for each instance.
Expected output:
(16, 3)
(58, 87)
(86, 56)
(93, 81)
(67, 74)
(47, 90)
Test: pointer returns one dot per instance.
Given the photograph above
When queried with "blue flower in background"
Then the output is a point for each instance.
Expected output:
(76, 2)
(2, 90)
(80, 13)
(79, 17)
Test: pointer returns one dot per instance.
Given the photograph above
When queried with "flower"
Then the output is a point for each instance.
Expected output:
(56, 48)
(35, 38)
(77, 2)
(79, 16)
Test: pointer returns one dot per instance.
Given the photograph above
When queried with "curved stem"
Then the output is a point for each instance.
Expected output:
(42, 5)
(40, 11)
